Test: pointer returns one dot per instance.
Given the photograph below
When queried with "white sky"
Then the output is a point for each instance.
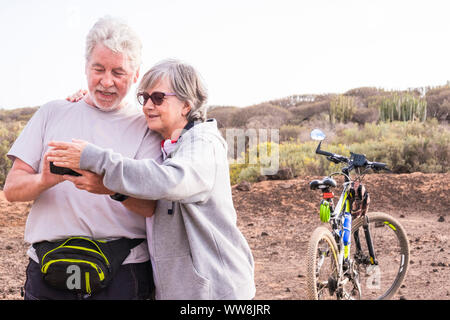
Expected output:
(248, 51)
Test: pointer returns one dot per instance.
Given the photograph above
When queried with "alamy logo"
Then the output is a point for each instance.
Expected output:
(374, 277)
(74, 280)
(257, 147)
(260, 150)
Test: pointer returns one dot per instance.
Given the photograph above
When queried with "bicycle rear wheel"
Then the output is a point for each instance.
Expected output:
(322, 265)
(391, 247)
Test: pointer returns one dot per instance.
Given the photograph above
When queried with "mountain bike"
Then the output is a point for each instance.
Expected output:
(366, 254)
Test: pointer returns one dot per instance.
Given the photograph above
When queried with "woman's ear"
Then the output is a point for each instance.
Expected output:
(186, 109)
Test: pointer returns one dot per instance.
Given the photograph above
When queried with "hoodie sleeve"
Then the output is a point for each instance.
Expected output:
(188, 177)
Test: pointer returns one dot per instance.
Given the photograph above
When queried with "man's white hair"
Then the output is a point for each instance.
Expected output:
(116, 35)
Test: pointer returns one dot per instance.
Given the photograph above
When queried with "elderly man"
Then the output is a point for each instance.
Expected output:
(71, 214)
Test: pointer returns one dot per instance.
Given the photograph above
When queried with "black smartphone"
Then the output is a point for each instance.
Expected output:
(62, 170)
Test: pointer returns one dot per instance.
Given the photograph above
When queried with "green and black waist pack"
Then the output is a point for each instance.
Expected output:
(80, 264)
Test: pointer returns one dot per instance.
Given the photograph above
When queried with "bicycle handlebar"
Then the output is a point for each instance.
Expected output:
(355, 160)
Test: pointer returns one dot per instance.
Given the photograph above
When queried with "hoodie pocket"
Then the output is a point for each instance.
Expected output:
(179, 280)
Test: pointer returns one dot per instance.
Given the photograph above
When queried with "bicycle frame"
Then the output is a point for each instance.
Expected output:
(337, 221)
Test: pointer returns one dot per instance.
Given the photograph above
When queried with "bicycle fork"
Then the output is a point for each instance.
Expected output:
(372, 258)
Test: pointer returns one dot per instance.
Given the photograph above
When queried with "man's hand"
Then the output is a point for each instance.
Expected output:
(25, 184)
(88, 181)
(48, 179)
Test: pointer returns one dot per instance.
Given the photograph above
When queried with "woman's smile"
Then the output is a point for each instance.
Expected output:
(152, 116)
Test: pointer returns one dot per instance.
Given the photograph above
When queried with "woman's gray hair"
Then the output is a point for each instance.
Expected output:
(185, 82)
(116, 35)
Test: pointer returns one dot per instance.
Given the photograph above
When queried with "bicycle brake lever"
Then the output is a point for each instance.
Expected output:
(333, 159)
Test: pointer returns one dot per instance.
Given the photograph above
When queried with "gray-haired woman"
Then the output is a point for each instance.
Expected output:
(196, 249)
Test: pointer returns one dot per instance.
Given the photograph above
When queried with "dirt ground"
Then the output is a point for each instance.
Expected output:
(278, 217)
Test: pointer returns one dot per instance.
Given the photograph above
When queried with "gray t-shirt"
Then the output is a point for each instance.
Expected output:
(63, 210)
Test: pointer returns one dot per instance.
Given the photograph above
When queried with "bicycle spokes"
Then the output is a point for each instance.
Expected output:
(380, 278)
(326, 271)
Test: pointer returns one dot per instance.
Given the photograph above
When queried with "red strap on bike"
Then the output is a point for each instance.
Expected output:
(328, 195)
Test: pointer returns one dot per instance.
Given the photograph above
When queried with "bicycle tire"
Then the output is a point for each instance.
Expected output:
(321, 234)
(386, 278)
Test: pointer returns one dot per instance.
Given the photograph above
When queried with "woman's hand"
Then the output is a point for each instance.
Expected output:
(66, 154)
(77, 96)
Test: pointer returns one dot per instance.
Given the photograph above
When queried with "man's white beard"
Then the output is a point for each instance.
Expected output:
(105, 109)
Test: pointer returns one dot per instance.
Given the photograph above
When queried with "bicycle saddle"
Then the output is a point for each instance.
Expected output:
(326, 182)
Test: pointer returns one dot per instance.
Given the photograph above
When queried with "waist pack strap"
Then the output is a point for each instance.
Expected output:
(118, 250)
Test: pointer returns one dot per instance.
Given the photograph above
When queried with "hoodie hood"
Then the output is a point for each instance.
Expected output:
(207, 130)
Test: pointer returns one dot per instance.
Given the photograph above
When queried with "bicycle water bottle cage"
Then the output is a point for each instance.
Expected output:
(326, 182)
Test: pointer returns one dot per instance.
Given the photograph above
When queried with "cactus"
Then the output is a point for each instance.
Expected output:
(342, 108)
(406, 107)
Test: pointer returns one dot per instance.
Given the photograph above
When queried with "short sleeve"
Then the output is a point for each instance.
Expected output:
(28, 146)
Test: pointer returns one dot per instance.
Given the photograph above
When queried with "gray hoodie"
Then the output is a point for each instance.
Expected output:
(197, 250)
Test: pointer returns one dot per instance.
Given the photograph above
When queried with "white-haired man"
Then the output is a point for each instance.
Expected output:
(62, 210)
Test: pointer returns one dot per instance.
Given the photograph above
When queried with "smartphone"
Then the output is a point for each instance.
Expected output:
(62, 170)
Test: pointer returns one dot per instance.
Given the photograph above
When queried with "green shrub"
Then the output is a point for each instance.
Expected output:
(404, 146)
(9, 132)
(299, 157)
(438, 103)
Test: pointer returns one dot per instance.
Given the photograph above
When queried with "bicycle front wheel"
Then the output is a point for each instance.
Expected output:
(380, 279)
(322, 265)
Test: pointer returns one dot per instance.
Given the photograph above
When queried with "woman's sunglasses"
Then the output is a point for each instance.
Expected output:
(156, 97)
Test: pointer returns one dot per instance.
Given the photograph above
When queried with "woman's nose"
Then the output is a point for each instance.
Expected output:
(148, 105)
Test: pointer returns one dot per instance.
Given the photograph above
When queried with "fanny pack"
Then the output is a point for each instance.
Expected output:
(80, 264)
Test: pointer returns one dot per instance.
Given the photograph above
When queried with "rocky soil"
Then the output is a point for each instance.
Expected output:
(278, 217)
